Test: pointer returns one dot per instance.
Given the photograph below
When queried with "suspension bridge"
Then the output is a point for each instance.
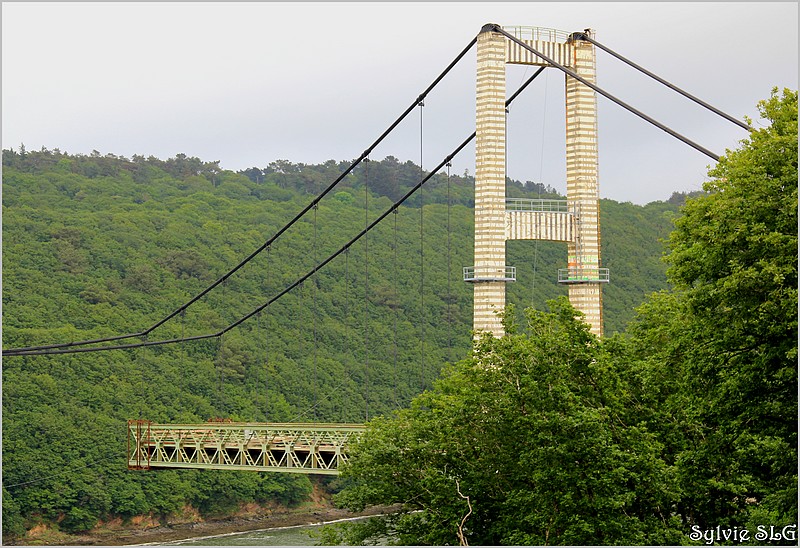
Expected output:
(315, 448)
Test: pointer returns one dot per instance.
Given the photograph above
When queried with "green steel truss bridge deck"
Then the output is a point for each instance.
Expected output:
(263, 447)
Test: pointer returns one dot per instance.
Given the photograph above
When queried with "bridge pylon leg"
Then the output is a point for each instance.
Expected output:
(489, 294)
(583, 196)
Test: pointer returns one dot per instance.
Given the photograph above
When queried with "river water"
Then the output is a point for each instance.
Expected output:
(278, 536)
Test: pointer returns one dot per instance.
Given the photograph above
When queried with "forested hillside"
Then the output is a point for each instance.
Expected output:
(100, 245)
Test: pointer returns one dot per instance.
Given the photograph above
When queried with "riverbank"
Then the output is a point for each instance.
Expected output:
(149, 531)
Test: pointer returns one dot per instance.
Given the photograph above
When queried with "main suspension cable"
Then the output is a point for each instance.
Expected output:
(604, 93)
(289, 288)
(586, 37)
(314, 202)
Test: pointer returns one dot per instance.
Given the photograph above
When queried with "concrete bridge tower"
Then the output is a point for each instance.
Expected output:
(574, 221)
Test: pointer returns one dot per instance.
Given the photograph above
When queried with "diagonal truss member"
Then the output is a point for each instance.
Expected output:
(262, 447)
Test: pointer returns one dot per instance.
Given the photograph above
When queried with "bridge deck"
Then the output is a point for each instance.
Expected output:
(267, 447)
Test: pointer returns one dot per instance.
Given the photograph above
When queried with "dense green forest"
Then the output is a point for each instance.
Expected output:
(682, 430)
(100, 245)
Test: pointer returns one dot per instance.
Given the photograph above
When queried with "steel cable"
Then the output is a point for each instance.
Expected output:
(604, 93)
(586, 37)
(421, 260)
(366, 291)
(289, 288)
(314, 202)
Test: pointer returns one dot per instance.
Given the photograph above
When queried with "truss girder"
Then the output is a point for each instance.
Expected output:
(266, 447)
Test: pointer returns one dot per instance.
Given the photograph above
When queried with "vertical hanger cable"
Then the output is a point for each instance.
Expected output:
(366, 290)
(421, 256)
(539, 189)
(347, 355)
(266, 355)
(316, 284)
(449, 277)
(396, 302)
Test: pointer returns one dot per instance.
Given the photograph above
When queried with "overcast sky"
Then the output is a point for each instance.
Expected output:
(250, 83)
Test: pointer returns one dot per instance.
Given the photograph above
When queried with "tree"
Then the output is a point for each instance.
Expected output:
(13, 522)
(555, 437)
(734, 250)
(728, 334)
(528, 442)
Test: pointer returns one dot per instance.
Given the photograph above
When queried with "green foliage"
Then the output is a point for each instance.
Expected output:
(529, 442)
(373, 531)
(13, 522)
(687, 423)
(78, 520)
(101, 245)
(719, 356)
